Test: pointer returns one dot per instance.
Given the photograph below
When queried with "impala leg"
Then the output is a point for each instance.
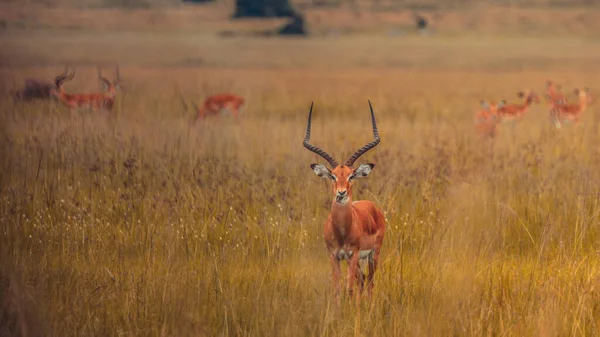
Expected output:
(236, 114)
(335, 264)
(373, 262)
(360, 277)
(352, 270)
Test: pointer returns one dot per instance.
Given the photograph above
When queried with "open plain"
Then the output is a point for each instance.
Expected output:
(140, 223)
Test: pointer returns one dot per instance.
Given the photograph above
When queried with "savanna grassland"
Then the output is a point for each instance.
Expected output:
(140, 223)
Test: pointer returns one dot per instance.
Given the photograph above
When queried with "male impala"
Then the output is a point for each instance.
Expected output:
(560, 113)
(214, 104)
(97, 101)
(354, 229)
(553, 96)
(515, 112)
(486, 119)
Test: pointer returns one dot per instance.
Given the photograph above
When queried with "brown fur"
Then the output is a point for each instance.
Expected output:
(512, 112)
(353, 227)
(103, 101)
(560, 113)
(553, 96)
(486, 120)
(350, 227)
(214, 104)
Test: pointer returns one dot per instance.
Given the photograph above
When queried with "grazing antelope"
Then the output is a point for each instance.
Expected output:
(34, 89)
(515, 112)
(486, 119)
(96, 101)
(553, 96)
(354, 229)
(215, 104)
(560, 113)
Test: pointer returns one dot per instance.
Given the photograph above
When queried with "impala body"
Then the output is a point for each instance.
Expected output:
(553, 95)
(214, 105)
(102, 101)
(486, 119)
(354, 230)
(515, 112)
(560, 113)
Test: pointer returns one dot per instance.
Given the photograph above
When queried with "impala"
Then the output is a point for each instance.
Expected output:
(354, 229)
(486, 119)
(96, 101)
(215, 104)
(560, 113)
(515, 112)
(553, 96)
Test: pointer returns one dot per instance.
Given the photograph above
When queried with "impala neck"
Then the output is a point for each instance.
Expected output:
(341, 215)
(528, 101)
(582, 104)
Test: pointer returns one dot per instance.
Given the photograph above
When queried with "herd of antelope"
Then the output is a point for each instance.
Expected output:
(561, 111)
(104, 101)
(354, 230)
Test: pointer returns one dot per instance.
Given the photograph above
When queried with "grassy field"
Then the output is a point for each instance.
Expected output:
(141, 224)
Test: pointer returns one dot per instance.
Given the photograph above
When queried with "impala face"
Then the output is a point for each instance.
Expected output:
(529, 96)
(584, 95)
(552, 86)
(491, 109)
(342, 178)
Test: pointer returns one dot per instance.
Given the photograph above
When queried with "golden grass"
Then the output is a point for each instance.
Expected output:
(142, 225)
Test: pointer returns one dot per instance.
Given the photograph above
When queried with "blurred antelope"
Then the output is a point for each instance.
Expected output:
(553, 96)
(215, 104)
(515, 112)
(96, 101)
(354, 230)
(486, 119)
(560, 113)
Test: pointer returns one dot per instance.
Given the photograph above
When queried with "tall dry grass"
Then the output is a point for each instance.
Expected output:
(140, 224)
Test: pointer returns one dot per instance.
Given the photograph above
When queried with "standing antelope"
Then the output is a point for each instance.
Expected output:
(486, 119)
(515, 112)
(560, 113)
(214, 105)
(354, 229)
(553, 96)
(96, 101)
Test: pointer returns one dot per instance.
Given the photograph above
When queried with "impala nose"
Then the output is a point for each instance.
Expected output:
(341, 195)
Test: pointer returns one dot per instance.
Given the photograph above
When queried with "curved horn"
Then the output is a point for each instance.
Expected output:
(60, 78)
(102, 79)
(370, 145)
(315, 149)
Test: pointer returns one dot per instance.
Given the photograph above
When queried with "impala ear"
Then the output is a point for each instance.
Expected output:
(485, 105)
(362, 171)
(322, 171)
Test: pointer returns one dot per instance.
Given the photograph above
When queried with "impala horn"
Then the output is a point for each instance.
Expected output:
(315, 149)
(370, 145)
(58, 81)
